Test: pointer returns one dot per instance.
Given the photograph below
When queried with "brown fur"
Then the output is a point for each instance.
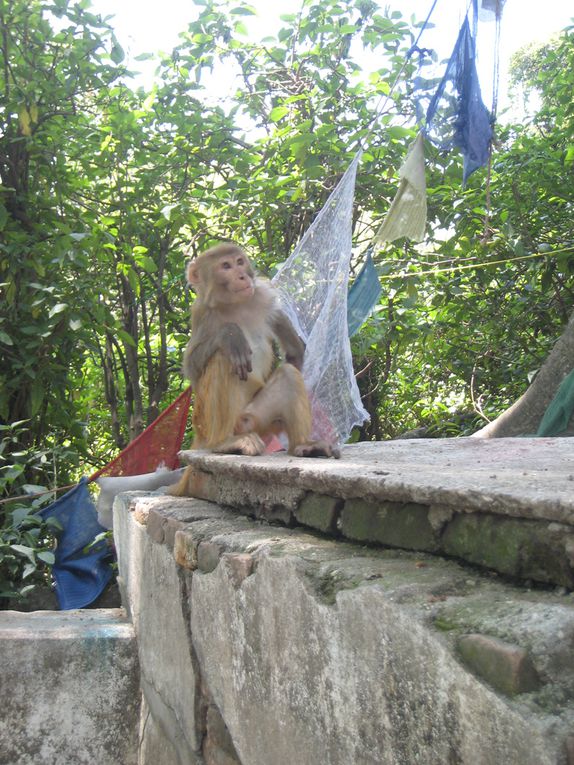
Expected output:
(218, 400)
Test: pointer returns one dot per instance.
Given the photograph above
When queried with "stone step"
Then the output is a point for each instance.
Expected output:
(69, 686)
(504, 504)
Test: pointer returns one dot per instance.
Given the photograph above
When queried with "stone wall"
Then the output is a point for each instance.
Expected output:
(69, 685)
(503, 504)
(261, 644)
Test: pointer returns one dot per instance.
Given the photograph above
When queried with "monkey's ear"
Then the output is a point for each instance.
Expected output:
(192, 273)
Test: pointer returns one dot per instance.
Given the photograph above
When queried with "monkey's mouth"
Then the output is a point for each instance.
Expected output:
(244, 289)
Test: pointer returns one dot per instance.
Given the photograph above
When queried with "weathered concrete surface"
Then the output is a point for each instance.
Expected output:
(296, 648)
(503, 504)
(150, 585)
(69, 684)
(523, 477)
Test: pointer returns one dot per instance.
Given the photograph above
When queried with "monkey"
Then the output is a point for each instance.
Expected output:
(240, 395)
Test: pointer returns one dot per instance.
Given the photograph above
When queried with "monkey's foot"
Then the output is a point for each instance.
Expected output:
(317, 449)
(248, 444)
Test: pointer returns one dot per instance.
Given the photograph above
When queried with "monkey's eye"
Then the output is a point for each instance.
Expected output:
(225, 264)
(240, 262)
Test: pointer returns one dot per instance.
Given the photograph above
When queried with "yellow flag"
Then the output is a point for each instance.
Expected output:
(407, 214)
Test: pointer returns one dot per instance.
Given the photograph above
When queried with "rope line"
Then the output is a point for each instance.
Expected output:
(38, 493)
(471, 258)
(467, 266)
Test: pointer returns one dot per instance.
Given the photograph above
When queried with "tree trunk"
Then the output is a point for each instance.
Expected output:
(524, 416)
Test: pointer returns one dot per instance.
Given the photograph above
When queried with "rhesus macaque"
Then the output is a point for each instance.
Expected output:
(239, 398)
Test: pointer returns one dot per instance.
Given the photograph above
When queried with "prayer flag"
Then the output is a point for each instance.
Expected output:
(456, 114)
(407, 214)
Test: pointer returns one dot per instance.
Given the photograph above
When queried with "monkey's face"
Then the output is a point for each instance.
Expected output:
(234, 278)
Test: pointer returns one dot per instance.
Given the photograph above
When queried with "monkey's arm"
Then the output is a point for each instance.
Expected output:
(229, 339)
(292, 345)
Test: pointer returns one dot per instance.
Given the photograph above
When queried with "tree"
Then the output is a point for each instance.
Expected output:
(57, 62)
(547, 146)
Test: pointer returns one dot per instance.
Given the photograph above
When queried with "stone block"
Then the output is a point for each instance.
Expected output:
(155, 525)
(397, 524)
(213, 755)
(363, 675)
(208, 555)
(185, 549)
(156, 588)
(319, 511)
(200, 484)
(171, 527)
(140, 511)
(521, 548)
(363, 680)
(506, 667)
(239, 566)
(69, 687)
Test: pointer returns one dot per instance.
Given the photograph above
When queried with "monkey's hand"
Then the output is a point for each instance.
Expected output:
(235, 346)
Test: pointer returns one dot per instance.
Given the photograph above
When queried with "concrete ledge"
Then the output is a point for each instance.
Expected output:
(504, 504)
(297, 647)
(69, 687)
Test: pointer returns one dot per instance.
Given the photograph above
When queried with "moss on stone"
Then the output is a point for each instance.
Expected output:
(319, 511)
(396, 524)
(517, 547)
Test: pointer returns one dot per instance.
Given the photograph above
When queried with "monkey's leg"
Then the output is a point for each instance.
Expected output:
(219, 398)
(282, 405)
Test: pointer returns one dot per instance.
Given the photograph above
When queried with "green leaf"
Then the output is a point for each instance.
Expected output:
(47, 557)
(28, 552)
(5, 338)
(243, 10)
(148, 264)
(117, 53)
(37, 394)
(126, 338)
(58, 308)
(3, 216)
(167, 210)
(19, 514)
(277, 114)
(29, 568)
(32, 488)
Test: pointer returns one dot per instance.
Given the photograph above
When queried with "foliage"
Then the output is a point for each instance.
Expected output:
(471, 315)
(26, 540)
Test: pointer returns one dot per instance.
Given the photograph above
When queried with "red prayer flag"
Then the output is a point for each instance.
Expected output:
(157, 445)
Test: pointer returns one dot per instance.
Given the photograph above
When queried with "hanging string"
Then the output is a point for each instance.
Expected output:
(383, 100)
(495, 85)
(38, 493)
(496, 65)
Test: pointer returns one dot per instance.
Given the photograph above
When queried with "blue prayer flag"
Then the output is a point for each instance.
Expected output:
(363, 295)
(80, 576)
(456, 115)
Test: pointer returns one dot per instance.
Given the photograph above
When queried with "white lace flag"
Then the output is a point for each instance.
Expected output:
(313, 284)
